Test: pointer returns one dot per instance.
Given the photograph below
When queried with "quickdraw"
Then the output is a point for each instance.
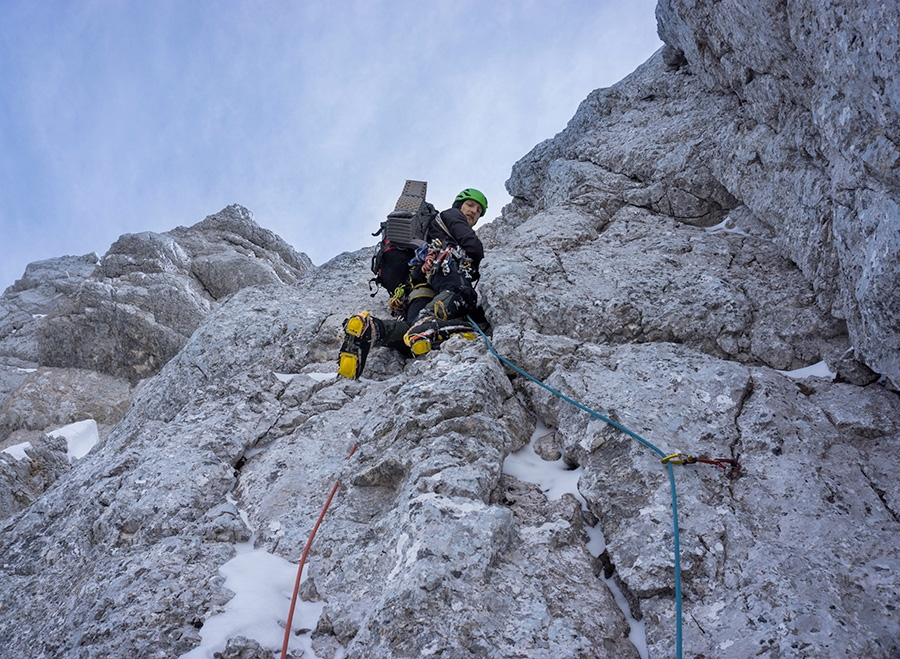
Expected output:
(437, 255)
(397, 302)
(465, 265)
(684, 459)
(429, 261)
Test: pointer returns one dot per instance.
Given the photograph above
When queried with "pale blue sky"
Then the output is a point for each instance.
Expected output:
(124, 116)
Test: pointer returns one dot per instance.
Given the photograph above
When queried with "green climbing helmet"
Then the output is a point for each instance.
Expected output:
(474, 195)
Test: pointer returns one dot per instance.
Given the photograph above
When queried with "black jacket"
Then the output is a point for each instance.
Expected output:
(461, 234)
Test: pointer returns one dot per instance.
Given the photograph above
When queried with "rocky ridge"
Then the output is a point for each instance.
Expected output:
(79, 334)
(650, 266)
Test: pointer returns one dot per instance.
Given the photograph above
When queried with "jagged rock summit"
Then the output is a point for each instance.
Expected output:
(722, 217)
(77, 334)
(130, 312)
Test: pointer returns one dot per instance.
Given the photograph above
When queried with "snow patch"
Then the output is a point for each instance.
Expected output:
(556, 478)
(819, 370)
(728, 225)
(80, 437)
(18, 450)
(262, 584)
(405, 557)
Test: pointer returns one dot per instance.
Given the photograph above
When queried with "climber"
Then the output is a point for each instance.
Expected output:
(441, 290)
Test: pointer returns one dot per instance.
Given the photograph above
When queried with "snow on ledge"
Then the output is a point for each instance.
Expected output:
(80, 436)
(318, 377)
(18, 450)
(819, 370)
(728, 225)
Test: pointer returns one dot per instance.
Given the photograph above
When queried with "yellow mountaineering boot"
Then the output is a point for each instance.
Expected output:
(358, 324)
(356, 345)
(429, 333)
(418, 345)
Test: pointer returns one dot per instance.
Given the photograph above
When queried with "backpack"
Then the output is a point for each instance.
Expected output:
(401, 234)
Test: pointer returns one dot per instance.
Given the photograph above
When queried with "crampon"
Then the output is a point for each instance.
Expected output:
(356, 345)
(429, 333)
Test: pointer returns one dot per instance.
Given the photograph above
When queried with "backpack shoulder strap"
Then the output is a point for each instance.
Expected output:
(437, 220)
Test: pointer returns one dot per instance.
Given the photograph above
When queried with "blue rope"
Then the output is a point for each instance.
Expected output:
(640, 439)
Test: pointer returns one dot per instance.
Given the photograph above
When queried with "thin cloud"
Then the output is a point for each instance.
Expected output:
(125, 117)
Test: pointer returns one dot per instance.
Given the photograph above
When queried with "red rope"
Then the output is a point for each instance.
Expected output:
(290, 617)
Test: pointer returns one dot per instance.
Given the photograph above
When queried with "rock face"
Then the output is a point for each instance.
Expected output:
(49, 398)
(661, 263)
(127, 314)
(813, 145)
(130, 312)
(114, 321)
(22, 481)
(45, 286)
(151, 291)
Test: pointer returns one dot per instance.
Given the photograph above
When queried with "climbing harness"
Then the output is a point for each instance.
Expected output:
(290, 616)
(428, 259)
(668, 460)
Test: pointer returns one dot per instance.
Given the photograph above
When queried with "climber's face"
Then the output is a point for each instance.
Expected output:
(472, 210)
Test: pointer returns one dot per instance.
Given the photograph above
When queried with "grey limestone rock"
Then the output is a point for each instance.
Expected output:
(667, 260)
(96, 327)
(23, 480)
(813, 146)
(646, 277)
(49, 398)
(428, 546)
(151, 291)
(23, 306)
(243, 648)
(796, 509)
(771, 124)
